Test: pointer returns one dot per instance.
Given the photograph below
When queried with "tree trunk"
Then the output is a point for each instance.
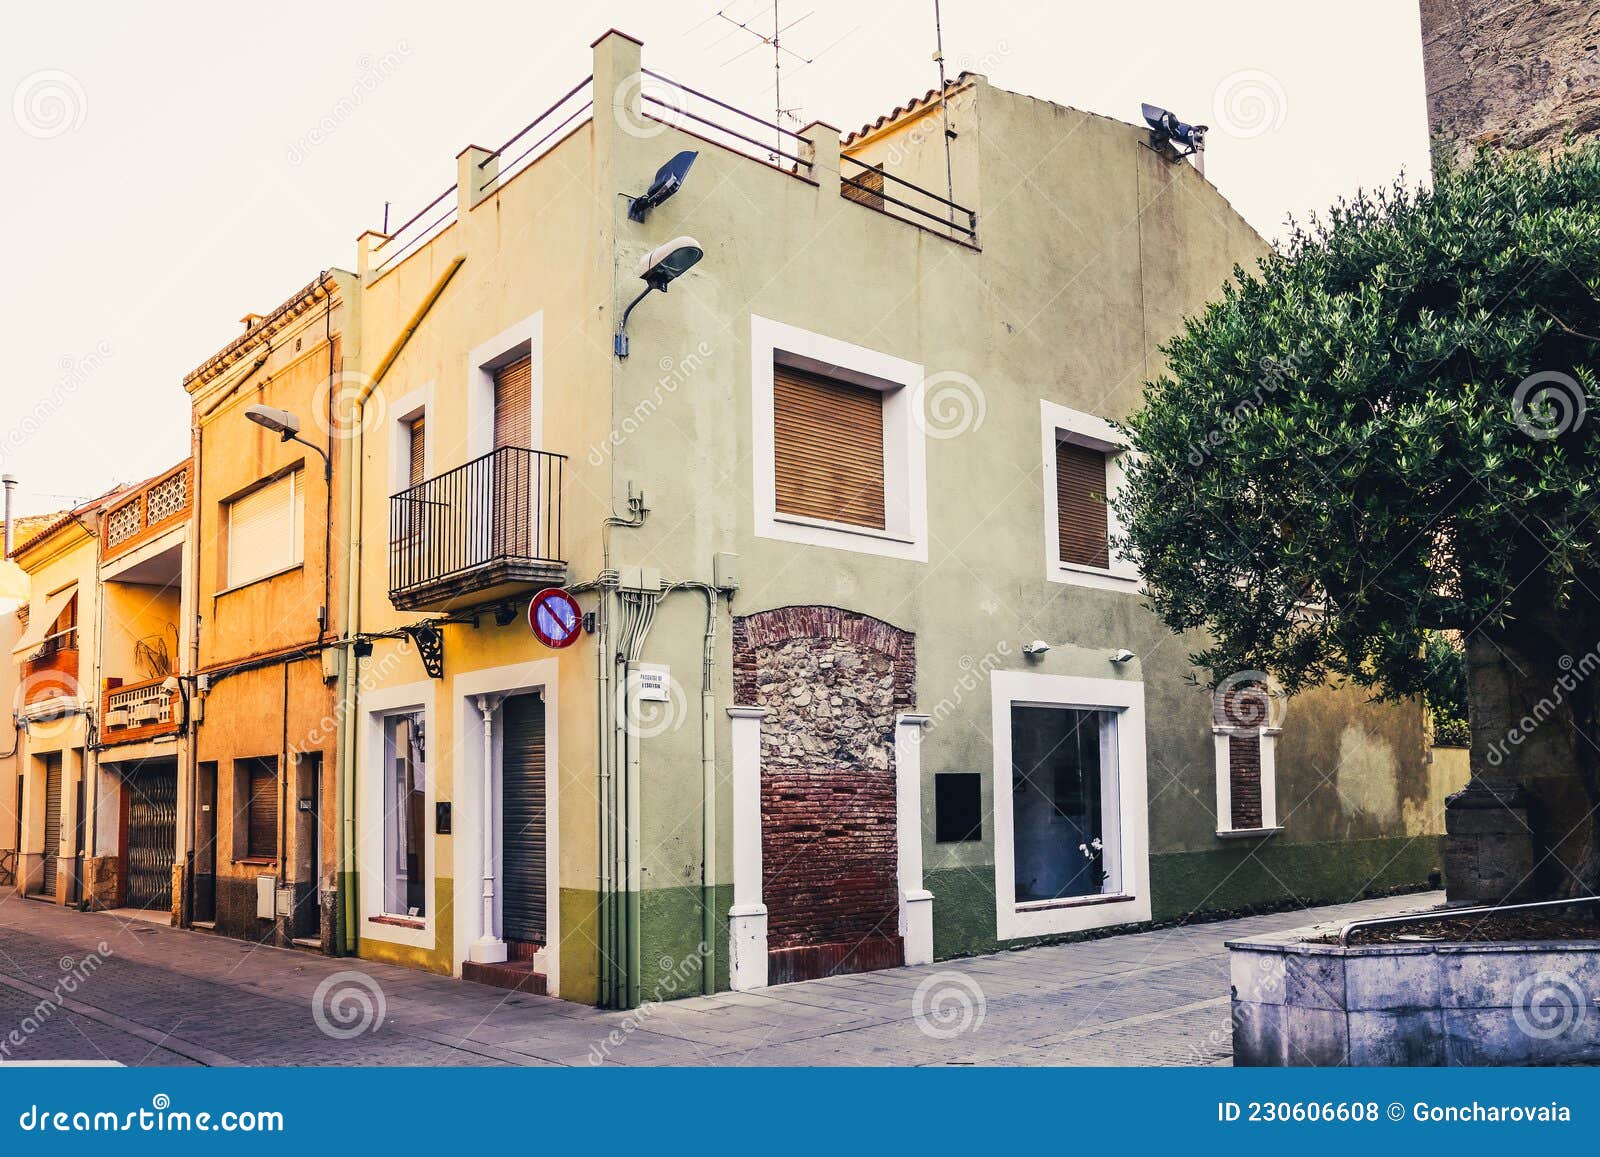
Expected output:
(1489, 844)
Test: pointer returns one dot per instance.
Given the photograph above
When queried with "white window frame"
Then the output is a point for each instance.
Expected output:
(1130, 904)
(905, 478)
(379, 704)
(1269, 781)
(1059, 423)
(297, 528)
(404, 411)
(483, 360)
(393, 820)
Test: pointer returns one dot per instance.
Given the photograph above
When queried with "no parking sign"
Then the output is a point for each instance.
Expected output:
(554, 618)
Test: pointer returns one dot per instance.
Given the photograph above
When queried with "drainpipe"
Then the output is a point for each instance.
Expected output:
(10, 483)
(349, 685)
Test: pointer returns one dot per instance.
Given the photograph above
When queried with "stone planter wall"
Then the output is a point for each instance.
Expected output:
(1296, 1003)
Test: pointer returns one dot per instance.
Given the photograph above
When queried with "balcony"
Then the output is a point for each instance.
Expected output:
(157, 506)
(51, 672)
(482, 533)
(132, 711)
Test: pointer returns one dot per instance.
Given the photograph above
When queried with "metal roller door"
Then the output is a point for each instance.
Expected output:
(152, 833)
(523, 819)
(52, 821)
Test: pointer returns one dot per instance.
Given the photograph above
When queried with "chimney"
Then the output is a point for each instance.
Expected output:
(10, 485)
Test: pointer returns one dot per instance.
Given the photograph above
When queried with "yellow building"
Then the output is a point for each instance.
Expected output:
(266, 570)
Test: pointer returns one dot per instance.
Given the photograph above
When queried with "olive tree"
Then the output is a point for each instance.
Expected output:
(1381, 433)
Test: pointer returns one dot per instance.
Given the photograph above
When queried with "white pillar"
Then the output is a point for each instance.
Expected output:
(488, 948)
(747, 919)
(916, 902)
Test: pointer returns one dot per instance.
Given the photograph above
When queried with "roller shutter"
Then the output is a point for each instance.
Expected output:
(523, 819)
(1081, 505)
(828, 448)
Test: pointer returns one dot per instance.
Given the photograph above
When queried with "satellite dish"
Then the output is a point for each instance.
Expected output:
(669, 179)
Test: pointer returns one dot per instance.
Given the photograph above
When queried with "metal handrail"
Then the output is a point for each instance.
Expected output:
(507, 172)
(734, 133)
(929, 193)
(1450, 913)
(399, 229)
(879, 193)
(522, 132)
(667, 80)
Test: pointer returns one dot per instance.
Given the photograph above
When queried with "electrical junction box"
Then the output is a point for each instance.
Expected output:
(332, 663)
(639, 578)
(266, 900)
(725, 571)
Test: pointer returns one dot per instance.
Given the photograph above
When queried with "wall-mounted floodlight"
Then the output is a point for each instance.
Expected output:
(1122, 656)
(659, 268)
(287, 427)
(669, 179)
(1167, 133)
(1036, 648)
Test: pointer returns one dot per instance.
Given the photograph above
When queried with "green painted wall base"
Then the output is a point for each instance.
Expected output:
(1239, 878)
(671, 950)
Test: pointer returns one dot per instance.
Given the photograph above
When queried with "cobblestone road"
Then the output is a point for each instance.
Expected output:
(161, 996)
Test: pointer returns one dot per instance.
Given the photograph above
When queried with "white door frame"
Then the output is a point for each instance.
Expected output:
(747, 919)
(538, 677)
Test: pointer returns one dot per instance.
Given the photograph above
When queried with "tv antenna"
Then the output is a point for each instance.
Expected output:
(774, 42)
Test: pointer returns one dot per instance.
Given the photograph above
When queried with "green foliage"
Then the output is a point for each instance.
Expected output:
(1451, 733)
(1346, 454)
(1446, 679)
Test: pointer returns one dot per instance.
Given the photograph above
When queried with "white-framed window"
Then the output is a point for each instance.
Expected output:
(838, 454)
(395, 839)
(405, 824)
(1245, 742)
(1070, 810)
(1082, 457)
(266, 530)
(505, 389)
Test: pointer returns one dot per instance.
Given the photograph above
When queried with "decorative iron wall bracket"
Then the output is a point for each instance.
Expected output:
(428, 639)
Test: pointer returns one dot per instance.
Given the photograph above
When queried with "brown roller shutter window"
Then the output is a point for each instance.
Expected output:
(513, 404)
(865, 186)
(1081, 505)
(262, 840)
(828, 448)
(417, 451)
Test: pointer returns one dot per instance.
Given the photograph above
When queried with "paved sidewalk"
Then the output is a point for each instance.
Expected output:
(162, 996)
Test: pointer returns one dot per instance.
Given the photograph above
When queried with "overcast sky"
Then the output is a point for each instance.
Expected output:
(161, 178)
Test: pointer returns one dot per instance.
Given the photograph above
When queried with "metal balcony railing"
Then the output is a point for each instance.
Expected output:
(493, 523)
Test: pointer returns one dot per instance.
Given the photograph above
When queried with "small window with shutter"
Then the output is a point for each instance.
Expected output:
(1084, 460)
(416, 451)
(1246, 756)
(1081, 505)
(255, 809)
(828, 456)
(513, 404)
(265, 530)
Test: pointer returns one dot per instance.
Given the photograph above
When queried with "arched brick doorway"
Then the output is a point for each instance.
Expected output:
(833, 684)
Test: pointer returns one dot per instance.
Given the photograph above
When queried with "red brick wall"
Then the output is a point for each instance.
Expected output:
(1244, 780)
(833, 682)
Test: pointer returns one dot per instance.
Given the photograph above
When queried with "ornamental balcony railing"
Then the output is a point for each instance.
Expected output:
(140, 710)
(152, 509)
(484, 532)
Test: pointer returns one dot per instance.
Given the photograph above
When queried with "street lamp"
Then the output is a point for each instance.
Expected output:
(283, 423)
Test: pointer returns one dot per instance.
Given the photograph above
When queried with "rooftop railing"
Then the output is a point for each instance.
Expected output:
(874, 187)
(670, 102)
